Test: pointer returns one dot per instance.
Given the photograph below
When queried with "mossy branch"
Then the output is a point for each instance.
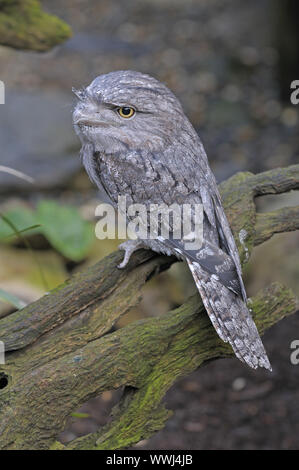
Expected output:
(61, 350)
(23, 25)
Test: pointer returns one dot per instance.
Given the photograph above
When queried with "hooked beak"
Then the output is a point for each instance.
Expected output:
(86, 121)
(81, 118)
(82, 115)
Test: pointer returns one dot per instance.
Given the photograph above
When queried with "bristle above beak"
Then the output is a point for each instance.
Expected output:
(80, 94)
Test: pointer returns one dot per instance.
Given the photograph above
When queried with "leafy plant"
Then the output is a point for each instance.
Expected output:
(62, 226)
(65, 229)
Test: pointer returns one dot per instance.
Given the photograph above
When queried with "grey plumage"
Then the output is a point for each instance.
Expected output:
(157, 157)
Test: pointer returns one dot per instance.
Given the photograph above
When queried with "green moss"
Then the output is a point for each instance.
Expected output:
(23, 25)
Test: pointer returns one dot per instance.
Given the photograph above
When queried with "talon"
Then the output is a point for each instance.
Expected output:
(129, 247)
(122, 265)
(124, 262)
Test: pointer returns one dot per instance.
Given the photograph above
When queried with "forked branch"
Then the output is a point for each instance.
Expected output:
(61, 350)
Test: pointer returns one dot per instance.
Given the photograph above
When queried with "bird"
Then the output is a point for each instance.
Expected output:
(137, 142)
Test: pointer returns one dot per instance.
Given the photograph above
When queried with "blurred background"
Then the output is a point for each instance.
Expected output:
(231, 66)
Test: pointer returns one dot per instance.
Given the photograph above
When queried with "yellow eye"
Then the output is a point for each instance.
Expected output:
(126, 112)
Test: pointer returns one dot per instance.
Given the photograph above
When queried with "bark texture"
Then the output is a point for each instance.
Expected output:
(62, 351)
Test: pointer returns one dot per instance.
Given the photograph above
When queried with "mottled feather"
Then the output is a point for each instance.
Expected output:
(157, 157)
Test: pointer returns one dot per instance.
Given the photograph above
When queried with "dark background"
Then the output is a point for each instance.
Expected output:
(231, 65)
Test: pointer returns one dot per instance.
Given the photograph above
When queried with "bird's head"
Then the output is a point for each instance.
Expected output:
(127, 110)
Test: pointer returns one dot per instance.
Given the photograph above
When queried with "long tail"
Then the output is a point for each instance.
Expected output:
(230, 318)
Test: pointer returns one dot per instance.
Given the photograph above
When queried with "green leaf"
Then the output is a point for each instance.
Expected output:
(12, 299)
(65, 229)
(62, 226)
(28, 229)
(22, 219)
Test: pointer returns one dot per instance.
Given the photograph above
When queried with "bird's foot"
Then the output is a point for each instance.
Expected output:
(129, 247)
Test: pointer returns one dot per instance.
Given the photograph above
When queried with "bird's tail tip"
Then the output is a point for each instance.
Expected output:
(254, 359)
(264, 362)
(231, 319)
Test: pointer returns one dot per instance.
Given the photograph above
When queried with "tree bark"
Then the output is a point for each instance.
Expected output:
(61, 350)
